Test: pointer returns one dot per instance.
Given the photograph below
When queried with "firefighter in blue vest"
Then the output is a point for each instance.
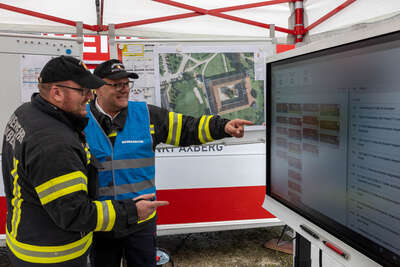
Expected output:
(123, 136)
(50, 177)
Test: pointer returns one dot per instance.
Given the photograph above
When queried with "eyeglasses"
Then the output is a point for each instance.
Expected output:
(120, 86)
(84, 91)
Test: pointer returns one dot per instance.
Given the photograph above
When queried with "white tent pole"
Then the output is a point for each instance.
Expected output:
(272, 31)
(273, 38)
(192, 40)
(36, 36)
(111, 41)
(79, 39)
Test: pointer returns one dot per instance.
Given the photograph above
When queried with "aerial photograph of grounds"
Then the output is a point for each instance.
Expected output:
(212, 83)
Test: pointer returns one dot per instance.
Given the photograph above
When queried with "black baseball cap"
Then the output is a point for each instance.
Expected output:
(113, 69)
(65, 68)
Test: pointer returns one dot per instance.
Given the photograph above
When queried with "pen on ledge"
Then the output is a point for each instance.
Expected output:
(309, 231)
(335, 249)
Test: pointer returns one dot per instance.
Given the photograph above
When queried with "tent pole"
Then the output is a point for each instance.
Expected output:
(192, 40)
(273, 38)
(111, 41)
(36, 36)
(330, 14)
(272, 31)
(299, 24)
(101, 14)
(42, 16)
(79, 37)
(98, 12)
(212, 12)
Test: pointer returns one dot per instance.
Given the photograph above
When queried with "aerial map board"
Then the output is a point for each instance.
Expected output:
(224, 80)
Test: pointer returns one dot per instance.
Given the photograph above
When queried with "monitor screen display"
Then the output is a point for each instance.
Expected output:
(334, 142)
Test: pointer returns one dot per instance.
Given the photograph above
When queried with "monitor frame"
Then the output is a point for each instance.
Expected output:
(360, 254)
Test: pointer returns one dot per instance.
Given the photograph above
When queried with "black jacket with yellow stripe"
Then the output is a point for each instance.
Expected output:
(50, 183)
(165, 127)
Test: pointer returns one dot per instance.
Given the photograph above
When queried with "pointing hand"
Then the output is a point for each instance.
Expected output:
(145, 206)
(235, 127)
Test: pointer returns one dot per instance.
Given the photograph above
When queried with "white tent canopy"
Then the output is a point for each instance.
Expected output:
(120, 11)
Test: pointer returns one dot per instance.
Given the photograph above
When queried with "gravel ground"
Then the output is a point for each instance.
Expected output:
(237, 248)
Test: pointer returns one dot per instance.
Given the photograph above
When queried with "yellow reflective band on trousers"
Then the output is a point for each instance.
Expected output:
(16, 200)
(175, 128)
(49, 254)
(148, 218)
(152, 129)
(105, 215)
(204, 129)
(61, 186)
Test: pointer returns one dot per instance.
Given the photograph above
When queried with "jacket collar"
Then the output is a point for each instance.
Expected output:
(105, 121)
(73, 121)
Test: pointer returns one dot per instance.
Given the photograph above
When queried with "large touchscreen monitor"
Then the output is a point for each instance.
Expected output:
(334, 141)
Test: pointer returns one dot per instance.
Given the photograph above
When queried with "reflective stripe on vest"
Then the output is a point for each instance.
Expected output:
(49, 254)
(126, 188)
(204, 129)
(126, 164)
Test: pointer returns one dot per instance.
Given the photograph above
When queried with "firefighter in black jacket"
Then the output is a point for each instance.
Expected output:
(50, 179)
(123, 136)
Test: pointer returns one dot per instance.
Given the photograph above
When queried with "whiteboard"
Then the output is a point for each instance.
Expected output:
(12, 50)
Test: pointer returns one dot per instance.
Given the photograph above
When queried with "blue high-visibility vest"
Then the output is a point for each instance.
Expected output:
(127, 169)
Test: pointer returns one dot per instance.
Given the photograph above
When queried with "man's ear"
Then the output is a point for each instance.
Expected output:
(99, 90)
(57, 94)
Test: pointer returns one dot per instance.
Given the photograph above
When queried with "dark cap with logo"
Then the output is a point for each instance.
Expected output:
(65, 68)
(113, 69)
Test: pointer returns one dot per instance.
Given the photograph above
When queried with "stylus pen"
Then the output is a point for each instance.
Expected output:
(336, 249)
(309, 231)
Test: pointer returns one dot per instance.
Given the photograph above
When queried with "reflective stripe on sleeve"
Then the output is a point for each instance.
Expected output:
(126, 164)
(88, 155)
(16, 201)
(49, 254)
(204, 129)
(105, 215)
(148, 218)
(175, 128)
(61, 186)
